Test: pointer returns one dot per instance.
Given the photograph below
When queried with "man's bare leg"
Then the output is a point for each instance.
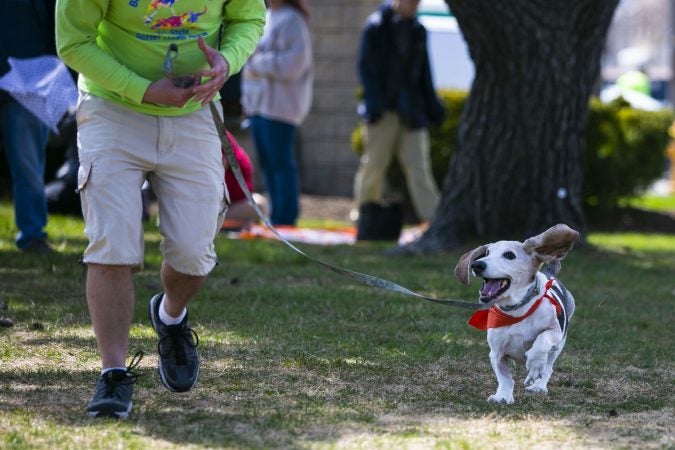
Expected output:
(179, 289)
(110, 297)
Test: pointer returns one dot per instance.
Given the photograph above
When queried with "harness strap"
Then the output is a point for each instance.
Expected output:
(363, 278)
(560, 294)
(496, 318)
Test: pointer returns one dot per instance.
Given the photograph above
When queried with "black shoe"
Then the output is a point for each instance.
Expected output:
(112, 397)
(177, 348)
(38, 247)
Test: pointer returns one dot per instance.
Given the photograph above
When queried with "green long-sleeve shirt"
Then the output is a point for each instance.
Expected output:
(118, 46)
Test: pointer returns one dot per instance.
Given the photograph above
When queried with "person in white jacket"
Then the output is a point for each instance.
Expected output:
(277, 96)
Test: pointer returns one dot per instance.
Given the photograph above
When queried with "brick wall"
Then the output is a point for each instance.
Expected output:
(327, 161)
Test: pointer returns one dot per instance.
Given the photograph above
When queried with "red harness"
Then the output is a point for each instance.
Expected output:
(495, 317)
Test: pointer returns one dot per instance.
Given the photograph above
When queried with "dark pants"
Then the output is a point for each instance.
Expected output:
(275, 142)
(25, 140)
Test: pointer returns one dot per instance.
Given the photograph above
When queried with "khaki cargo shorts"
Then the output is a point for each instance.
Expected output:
(180, 156)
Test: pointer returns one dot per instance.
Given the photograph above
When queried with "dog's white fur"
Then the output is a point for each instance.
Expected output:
(538, 339)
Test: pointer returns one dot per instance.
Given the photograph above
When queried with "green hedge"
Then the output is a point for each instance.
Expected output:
(624, 151)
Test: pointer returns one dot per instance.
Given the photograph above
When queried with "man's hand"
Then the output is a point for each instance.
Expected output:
(218, 74)
(164, 92)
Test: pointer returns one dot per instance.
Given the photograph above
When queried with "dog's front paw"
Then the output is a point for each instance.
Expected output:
(536, 371)
(501, 399)
(532, 377)
(538, 387)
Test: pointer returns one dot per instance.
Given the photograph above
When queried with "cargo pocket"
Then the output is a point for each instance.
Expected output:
(83, 175)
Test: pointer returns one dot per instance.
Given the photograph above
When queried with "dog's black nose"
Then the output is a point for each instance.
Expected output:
(478, 267)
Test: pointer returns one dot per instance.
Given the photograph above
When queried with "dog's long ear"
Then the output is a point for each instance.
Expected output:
(463, 267)
(553, 244)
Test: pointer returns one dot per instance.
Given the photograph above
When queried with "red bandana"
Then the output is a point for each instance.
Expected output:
(495, 317)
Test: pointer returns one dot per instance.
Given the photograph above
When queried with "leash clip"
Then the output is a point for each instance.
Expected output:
(171, 55)
(178, 81)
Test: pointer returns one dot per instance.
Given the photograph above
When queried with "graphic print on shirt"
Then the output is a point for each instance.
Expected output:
(163, 15)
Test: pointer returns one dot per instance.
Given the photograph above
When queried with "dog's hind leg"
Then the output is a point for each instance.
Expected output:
(540, 360)
(504, 392)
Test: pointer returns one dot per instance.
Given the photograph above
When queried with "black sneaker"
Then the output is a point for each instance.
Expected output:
(112, 397)
(38, 247)
(177, 348)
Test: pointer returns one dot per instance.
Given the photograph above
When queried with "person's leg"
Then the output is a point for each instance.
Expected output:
(416, 164)
(259, 133)
(25, 140)
(380, 142)
(275, 142)
(285, 173)
(110, 298)
(189, 181)
(109, 181)
(179, 289)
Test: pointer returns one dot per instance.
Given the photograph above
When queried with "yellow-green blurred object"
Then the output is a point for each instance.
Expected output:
(635, 80)
(671, 155)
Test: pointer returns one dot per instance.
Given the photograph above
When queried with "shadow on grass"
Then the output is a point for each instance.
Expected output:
(290, 400)
(293, 356)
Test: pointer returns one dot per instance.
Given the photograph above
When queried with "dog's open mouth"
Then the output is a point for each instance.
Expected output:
(493, 288)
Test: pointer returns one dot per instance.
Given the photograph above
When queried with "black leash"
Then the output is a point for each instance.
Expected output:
(358, 276)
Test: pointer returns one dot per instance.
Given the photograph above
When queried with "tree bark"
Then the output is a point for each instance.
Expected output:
(517, 170)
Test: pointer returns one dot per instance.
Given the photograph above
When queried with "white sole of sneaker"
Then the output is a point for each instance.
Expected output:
(111, 414)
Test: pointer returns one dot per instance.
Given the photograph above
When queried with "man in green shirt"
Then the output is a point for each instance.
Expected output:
(147, 69)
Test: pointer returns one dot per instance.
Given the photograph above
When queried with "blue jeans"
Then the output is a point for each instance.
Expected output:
(24, 141)
(275, 142)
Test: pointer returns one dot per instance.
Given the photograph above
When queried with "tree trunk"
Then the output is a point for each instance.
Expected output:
(517, 170)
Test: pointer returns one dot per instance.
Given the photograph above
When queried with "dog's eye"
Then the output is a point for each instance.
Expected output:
(509, 255)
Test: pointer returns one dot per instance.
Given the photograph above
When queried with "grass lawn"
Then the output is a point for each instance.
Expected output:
(295, 356)
(652, 203)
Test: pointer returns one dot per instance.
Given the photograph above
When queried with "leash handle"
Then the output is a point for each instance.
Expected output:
(363, 278)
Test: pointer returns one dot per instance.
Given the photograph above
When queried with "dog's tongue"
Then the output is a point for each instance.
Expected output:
(491, 288)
